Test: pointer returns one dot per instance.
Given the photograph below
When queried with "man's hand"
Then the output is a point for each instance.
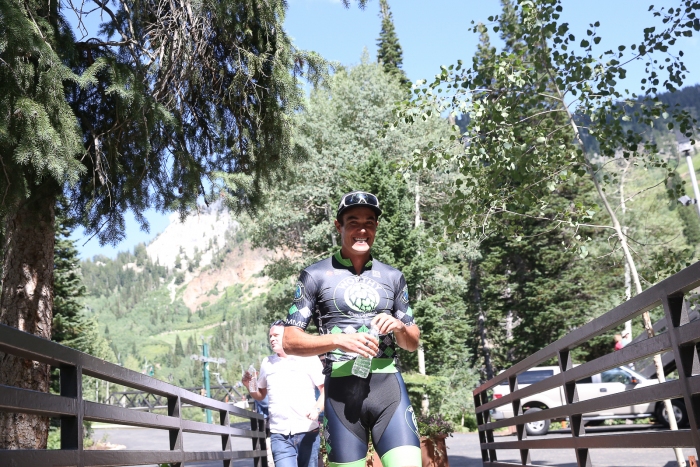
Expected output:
(314, 414)
(360, 343)
(387, 323)
(407, 337)
(247, 378)
(257, 395)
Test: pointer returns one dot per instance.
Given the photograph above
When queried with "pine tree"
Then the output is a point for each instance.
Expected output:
(179, 351)
(191, 346)
(536, 287)
(67, 282)
(390, 53)
(184, 97)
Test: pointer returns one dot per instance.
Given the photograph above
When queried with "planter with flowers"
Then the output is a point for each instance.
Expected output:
(433, 430)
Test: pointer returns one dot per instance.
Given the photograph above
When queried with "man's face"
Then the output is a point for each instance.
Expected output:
(276, 333)
(358, 229)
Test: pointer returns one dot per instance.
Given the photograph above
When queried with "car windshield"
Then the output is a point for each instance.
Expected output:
(532, 376)
(616, 375)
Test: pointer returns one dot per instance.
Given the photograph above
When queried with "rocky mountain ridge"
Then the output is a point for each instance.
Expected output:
(200, 280)
(208, 252)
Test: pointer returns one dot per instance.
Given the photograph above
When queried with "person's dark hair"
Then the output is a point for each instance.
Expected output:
(341, 218)
(277, 322)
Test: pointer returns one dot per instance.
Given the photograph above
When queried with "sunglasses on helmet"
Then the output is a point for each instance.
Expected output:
(358, 198)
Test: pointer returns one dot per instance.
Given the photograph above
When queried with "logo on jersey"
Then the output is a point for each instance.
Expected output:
(357, 295)
(361, 297)
(299, 291)
(411, 420)
(404, 294)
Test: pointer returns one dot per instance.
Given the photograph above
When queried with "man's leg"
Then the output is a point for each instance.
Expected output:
(307, 449)
(345, 436)
(284, 451)
(395, 432)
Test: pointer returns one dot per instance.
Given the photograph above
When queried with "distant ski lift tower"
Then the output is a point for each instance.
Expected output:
(206, 360)
(684, 147)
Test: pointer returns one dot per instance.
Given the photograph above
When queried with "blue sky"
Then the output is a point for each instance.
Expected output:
(432, 33)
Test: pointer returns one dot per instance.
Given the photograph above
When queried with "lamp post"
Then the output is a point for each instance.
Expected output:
(684, 147)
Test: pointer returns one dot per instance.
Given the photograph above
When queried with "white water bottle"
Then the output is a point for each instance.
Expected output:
(362, 365)
(253, 385)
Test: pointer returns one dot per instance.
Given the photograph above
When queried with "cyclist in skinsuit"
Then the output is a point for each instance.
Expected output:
(345, 295)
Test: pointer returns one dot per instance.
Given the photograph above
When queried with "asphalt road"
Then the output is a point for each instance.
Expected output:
(463, 449)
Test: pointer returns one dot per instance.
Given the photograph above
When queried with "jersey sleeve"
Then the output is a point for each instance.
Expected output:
(304, 302)
(402, 307)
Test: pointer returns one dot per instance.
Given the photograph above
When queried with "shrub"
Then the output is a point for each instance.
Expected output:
(432, 426)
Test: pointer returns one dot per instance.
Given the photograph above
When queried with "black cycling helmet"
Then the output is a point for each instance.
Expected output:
(358, 198)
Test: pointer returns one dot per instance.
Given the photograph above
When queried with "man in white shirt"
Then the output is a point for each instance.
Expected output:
(290, 382)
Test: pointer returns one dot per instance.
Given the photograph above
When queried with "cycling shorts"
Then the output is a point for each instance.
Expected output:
(379, 404)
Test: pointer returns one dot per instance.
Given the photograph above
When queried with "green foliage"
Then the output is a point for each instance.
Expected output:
(449, 395)
(691, 227)
(537, 287)
(433, 426)
(68, 285)
(54, 441)
(39, 136)
(179, 351)
(418, 385)
(205, 93)
(527, 195)
(389, 52)
(525, 103)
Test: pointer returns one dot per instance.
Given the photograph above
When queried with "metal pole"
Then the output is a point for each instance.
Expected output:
(205, 352)
(693, 180)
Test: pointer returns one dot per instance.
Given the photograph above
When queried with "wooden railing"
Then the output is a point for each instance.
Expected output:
(680, 338)
(72, 410)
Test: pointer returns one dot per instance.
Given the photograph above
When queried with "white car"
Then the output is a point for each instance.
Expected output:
(608, 382)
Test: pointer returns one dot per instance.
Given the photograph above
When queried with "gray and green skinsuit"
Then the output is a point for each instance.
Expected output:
(340, 301)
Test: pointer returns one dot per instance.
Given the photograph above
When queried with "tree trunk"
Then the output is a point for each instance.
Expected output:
(27, 304)
(334, 243)
(628, 277)
(421, 351)
(419, 295)
(483, 333)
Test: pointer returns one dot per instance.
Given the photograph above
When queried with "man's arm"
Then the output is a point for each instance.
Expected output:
(257, 395)
(318, 406)
(297, 342)
(407, 337)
